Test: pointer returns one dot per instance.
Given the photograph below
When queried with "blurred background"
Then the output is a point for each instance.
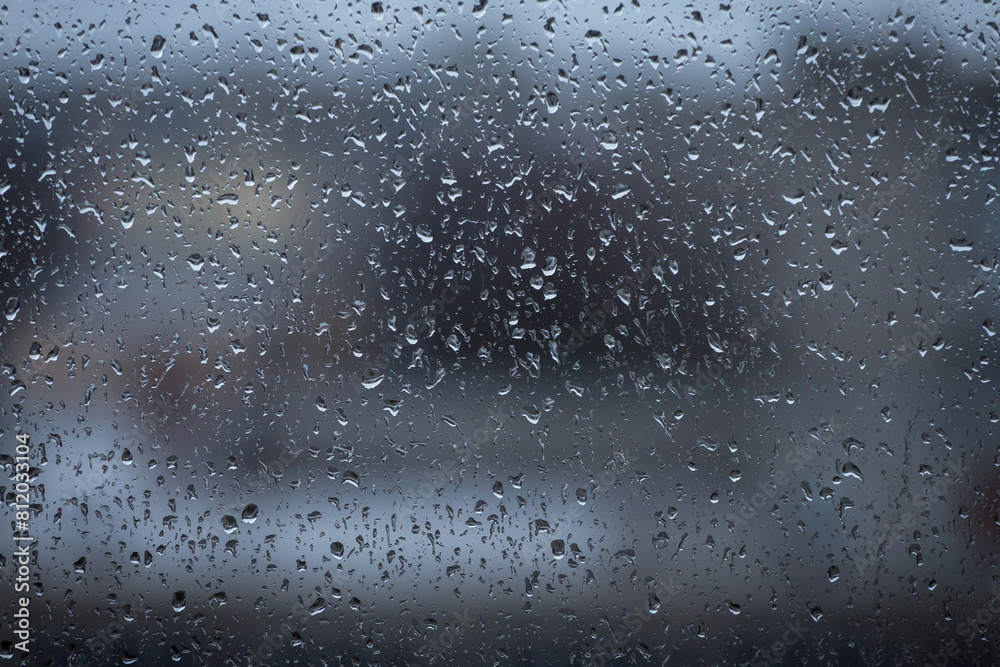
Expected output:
(503, 333)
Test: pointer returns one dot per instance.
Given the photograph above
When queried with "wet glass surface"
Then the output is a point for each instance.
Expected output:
(496, 333)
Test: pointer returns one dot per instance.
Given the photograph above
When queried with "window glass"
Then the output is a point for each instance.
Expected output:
(499, 333)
